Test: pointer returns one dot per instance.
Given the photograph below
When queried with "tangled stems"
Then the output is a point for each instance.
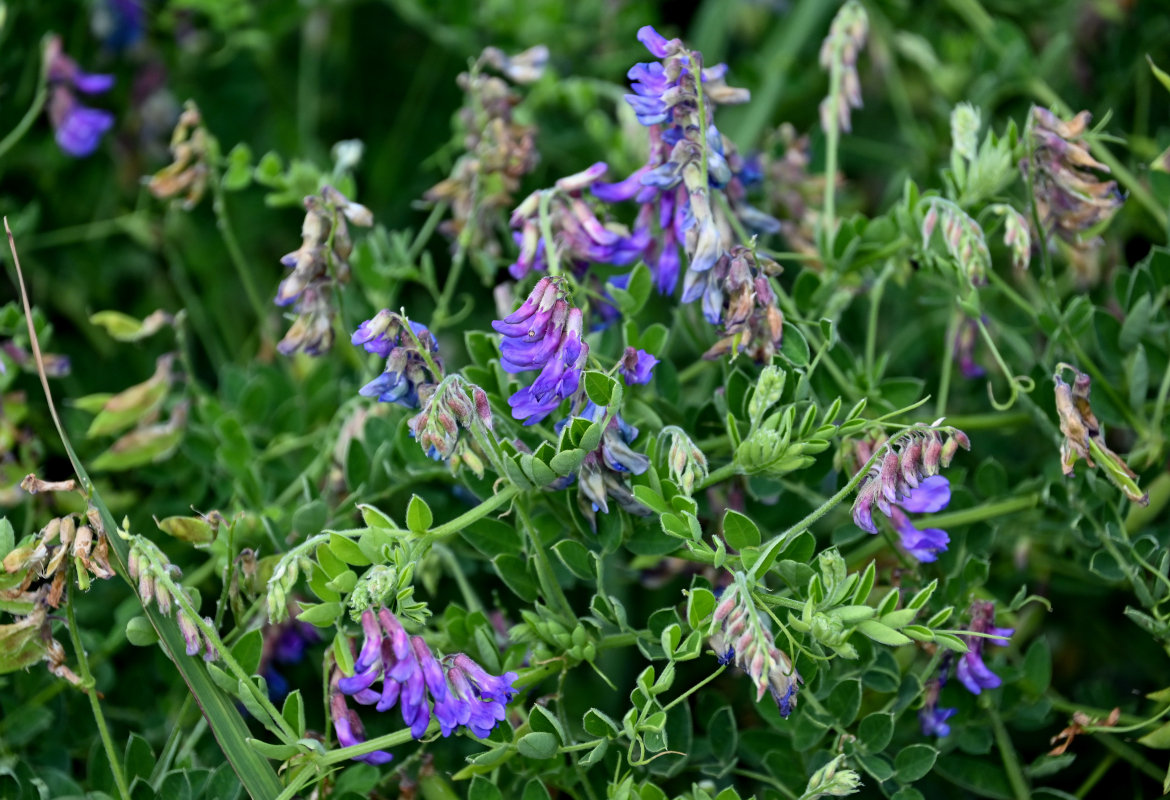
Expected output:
(1016, 383)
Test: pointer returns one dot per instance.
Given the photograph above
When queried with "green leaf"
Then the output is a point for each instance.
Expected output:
(599, 387)
(882, 634)
(535, 790)
(1158, 739)
(599, 724)
(140, 633)
(1137, 320)
(844, 701)
(418, 515)
(1037, 667)
(700, 604)
(194, 530)
(323, 615)
(248, 649)
(139, 759)
(126, 328)
(876, 730)
(514, 572)
(794, 347)
(541, 720)
(293, 711)
(576, 558)
(914, 762)
(739, 530)
(276, 752)
(538, 745)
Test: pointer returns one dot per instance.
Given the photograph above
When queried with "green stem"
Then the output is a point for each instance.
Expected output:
(982, 422)
(1016, 383)
(1011, 762)
(1097, 774)
(550, 248)
(30, 116)
(721, 474)
(87, 681)
(86, 232)
(694, 688)
(549, 584)
(875, 305)
(776, 542)
(832, 139)
(979, 513)
(479, 512)
(948, 360)
(235, 253)
(470, 598)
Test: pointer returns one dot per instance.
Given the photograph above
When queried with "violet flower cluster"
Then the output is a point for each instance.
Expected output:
(544, 334)
(906, 478)
(971, 671)
(77, 128)
(454, 690)
(411, 353)
(453, 405)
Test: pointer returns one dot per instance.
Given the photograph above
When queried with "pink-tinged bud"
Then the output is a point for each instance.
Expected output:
(582, 180)
(146, 587)
(725, 606)
(930, 455)
(189, 631)
(888, 480)
(962, 439)
(482, 406)
(928, 224)
(162, 599)
(948, 451)
(210, 652)
(132, 564)
(447, 422)
(911, 454)
(743, 642)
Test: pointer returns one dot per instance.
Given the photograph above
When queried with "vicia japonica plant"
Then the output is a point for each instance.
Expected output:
(799, 429)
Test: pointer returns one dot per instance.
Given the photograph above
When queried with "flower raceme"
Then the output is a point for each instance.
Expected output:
(543, 334)
(403, 344)
(460, 692)
(905, 479)
(971, 671)
(77, 128)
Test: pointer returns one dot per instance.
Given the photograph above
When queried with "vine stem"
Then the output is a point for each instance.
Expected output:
(776, 542)
(1011, 762)
(30, 116)
(87, 680)
(548, 579)
(479, 512)
(235, 253)
(695, 688)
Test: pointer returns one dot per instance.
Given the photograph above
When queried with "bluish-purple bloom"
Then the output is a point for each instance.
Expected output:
(971, 671)
(120, 23)
(77, 128)
(931, 495)
(543, 334)
(456, 690)
(406, 367)
(636, 366)
(934, 720)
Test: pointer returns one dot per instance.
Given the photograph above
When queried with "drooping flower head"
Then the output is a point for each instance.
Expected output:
(455, 690)
(738, 295)
(971, 671)
(906, 478)
(605, 472)
(188, 171)
(689, 158)
(78, 128)
(580, 238)
(498, 150)
(636, 366)
(742, 636)
(411, 353)
(544, 334)
(1070, 197)
(318, 266)
(452, 405)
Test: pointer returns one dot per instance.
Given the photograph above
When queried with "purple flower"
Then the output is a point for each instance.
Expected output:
(965, 350)
(406, 367)
(350, 730)
(972, 672)
(78, 129)
(636, 366)
(543, 334)
(929, 496)
(456, 689)
(120, 23)
(934, 720)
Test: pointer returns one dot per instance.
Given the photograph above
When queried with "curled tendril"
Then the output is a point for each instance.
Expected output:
(1016, 383)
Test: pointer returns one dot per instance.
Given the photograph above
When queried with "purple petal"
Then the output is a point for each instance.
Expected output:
(931, 495)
